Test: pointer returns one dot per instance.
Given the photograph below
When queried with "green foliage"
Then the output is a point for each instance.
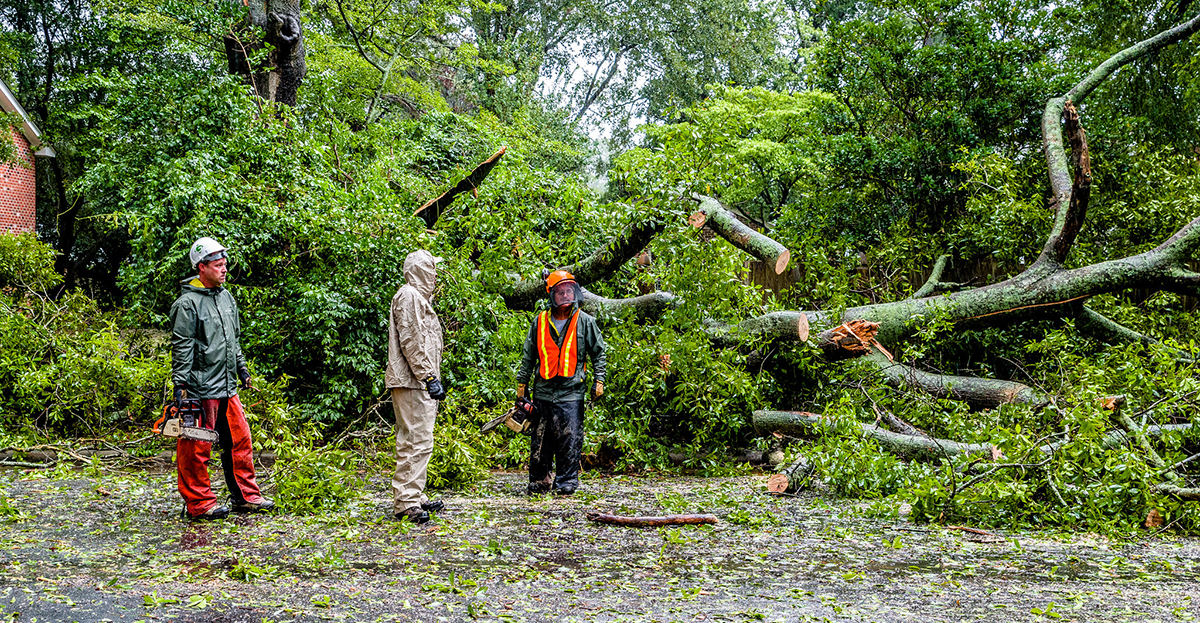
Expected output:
(309, 480)
(26, 265)
(65, 365)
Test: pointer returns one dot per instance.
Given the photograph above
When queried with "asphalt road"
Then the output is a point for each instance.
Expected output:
(110, 547)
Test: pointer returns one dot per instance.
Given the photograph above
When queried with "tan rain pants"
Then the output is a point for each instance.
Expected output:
(415, 413)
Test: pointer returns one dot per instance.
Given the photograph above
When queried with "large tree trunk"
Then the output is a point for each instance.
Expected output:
(276, 22)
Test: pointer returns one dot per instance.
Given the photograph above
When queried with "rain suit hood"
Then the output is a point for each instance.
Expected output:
(420, 272)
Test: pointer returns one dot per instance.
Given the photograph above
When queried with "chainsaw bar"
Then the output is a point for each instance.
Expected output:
(494, 422)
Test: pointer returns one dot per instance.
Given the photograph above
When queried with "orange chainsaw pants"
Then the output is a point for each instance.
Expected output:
(225, 415)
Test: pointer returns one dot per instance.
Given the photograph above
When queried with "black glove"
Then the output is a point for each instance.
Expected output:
(244, 374)
(435, 389)
(179, 391)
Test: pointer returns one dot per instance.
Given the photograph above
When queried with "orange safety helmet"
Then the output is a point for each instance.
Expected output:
(558, 277)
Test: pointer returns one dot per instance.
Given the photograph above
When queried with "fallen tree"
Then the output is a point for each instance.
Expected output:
(1045, 289)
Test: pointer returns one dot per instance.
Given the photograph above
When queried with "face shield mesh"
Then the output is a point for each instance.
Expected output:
(565, 293)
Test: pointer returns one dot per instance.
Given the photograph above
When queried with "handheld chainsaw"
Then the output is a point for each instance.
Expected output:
(517, 419)
(183, 418)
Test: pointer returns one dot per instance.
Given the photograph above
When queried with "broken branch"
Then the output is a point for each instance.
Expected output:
(433, 208)
(932, 283)
(714, 214)
(602, 263)
(974, 391)
(645, 307)
(651, 521)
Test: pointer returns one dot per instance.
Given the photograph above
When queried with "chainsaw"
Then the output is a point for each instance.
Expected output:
(182, 418)
(518, 418)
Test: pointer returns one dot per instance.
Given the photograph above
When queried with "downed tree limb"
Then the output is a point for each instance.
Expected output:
(1138, 436)
(977, 392)
(1168, 471)
(900, 426)
(787, 326)
(718, 218)
(1118, 437)
(1184, 493)
(602, 263)
(803, 424)
(651, 521)
(644, 308)
(432, 210)
(1106, 330)
(1063, 233)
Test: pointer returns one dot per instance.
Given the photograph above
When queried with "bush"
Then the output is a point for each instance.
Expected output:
(66, 366)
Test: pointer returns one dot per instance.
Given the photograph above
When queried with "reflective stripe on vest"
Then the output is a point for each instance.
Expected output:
(554, 360)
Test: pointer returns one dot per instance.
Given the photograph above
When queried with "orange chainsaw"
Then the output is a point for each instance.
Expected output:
(182, 418)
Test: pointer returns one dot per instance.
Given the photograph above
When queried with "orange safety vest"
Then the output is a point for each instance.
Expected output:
(553, 359)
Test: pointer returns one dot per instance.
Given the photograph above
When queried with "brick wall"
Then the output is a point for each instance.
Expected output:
(18, 189)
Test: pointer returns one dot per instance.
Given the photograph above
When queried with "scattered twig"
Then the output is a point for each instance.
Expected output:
(972, 530)
(28, 464)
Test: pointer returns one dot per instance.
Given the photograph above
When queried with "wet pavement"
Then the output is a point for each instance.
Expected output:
(104, 546)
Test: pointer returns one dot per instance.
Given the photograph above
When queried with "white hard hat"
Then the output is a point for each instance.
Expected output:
(202, 248)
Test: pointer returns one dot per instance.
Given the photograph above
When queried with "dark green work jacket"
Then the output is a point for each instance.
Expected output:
(205, 354)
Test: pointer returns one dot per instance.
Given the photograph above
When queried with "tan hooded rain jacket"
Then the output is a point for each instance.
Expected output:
(415, 334)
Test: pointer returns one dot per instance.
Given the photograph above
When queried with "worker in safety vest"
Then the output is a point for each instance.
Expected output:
(554, 354)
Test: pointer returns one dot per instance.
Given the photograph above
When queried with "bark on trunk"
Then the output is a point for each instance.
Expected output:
(714, 214)
(802, 424)
(277, 22)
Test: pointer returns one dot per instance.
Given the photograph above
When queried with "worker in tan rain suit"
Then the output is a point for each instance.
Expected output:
(413, 376)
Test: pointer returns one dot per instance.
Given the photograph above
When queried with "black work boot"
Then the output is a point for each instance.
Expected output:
(537, 488)
(254, 507)
(565, 490)
(413, 514)
(216, 511)
(433, 506)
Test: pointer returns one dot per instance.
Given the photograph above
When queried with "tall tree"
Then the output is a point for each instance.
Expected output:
(617, 59)
(277, 74)
(65, 57)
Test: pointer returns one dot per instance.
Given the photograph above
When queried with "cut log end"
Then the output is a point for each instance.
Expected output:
(698, 219)
(781, 263)
(777, 483)
(802, 328)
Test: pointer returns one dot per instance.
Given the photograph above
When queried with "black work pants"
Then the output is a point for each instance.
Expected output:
(557, 442)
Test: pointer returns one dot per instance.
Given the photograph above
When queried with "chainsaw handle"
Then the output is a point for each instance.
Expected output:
(157, 427)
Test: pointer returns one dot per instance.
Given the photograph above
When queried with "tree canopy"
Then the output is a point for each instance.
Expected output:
(872, 141)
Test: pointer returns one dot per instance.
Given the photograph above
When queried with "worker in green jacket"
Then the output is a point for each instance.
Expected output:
(207, 365)
(553, 356)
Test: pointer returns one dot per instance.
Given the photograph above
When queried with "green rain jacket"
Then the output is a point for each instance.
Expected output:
(205, 355)
(561, 388)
